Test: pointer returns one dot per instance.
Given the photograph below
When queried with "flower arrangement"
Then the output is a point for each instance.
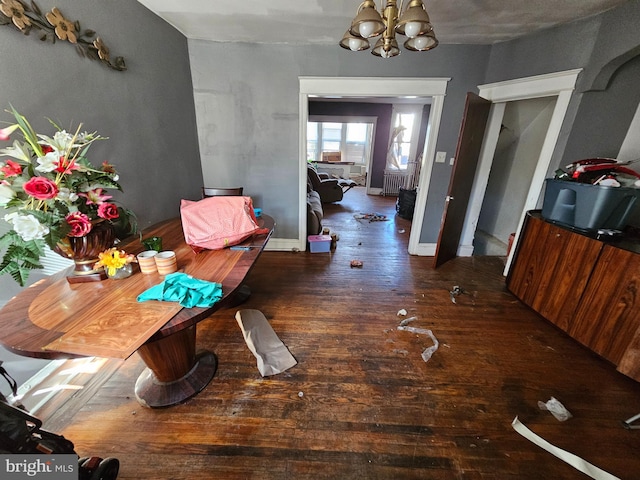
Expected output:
(113, 259)
(52, 192)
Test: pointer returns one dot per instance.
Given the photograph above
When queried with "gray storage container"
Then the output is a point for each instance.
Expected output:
(588, 207)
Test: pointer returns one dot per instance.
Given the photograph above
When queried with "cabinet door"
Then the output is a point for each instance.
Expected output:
(551, 270)
(530, 260)
(608, 316)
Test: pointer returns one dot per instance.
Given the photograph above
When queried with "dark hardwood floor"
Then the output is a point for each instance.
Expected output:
(362, 403)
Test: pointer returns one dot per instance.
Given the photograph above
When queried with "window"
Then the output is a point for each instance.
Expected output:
(404, 136)
(353, 139)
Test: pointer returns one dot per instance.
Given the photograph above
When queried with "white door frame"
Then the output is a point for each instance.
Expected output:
(374, 87)
(560, 85)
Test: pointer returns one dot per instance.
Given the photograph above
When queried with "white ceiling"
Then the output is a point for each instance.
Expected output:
(324, 22)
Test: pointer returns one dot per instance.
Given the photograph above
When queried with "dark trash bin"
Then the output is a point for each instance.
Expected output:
(406, 203)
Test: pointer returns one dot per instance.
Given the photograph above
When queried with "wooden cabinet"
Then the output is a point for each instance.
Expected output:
(588, 288)
(551, 270)
(609, 314)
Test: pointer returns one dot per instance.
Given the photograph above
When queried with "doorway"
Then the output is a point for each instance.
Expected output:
(522, 131)
(365, 87)
(558, 88)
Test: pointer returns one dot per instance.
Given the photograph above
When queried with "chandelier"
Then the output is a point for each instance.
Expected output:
(413, 22)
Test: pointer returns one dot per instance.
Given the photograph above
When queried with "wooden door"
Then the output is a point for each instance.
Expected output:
(474, 122)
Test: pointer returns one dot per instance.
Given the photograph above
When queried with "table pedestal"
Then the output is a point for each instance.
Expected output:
(174, 372)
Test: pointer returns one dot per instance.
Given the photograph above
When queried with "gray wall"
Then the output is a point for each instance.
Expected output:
(604, 116)
(602, 107)
(247, 97)
(147, 111)
(247, 108)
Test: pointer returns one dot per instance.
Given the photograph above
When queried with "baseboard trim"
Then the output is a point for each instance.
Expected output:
(284, 245)
(425, 250)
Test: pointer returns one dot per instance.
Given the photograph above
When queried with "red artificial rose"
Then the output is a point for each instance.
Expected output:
(46, 149)
(108, 211)
(11, 169)
(41, 188)
(79, 223)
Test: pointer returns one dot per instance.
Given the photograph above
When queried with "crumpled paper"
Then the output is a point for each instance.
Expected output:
(184, 289)
(271, 354)
(556, 408)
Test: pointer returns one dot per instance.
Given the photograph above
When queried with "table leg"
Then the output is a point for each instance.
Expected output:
(174, 372)
(240, 296)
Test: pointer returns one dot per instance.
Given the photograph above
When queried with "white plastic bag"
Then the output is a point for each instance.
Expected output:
(556, 408)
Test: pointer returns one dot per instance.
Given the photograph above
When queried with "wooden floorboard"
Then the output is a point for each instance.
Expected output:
(361, 403)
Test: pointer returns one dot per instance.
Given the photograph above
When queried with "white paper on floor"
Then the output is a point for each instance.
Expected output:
(573, 460)
(272, 355)
(428, 352)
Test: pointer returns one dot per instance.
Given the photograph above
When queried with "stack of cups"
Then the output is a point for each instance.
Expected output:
(166, 262)
(147, 261)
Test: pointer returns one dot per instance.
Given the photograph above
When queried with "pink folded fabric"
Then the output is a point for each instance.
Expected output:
(218, 222)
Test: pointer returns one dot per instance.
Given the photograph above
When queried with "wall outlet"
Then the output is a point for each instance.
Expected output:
(441, 157)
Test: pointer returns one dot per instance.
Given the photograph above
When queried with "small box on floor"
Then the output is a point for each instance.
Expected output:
(319, 243)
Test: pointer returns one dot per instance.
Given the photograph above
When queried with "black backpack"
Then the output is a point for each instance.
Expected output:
(21, 433)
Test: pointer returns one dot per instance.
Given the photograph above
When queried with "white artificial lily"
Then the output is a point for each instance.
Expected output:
(66, 195)
(27, 226)
(61, 141)
(18, 151)
(6, 194)
(5, 133)
(48, 163)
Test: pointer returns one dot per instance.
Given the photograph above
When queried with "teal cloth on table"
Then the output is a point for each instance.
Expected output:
(188, 291)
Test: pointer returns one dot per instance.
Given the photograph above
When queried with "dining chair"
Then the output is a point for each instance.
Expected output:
(221, 192)
(244, 291)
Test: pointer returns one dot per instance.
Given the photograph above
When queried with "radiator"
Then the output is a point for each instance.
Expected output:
(393, 181)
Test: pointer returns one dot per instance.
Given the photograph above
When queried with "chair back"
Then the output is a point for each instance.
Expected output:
(221, 192)
(312, 176)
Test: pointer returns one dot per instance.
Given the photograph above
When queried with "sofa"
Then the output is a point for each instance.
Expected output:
(314, 211)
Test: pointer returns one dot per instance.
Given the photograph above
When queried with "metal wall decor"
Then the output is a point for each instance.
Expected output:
(52, 25)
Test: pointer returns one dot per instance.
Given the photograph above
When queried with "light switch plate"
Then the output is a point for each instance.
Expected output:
(452, 160)
(441, 157)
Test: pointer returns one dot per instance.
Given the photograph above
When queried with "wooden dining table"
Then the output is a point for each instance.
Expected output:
(55, 318)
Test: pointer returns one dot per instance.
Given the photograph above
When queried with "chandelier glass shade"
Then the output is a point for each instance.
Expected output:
(412, 22)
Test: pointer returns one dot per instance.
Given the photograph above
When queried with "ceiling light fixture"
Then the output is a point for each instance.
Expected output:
(413, 22)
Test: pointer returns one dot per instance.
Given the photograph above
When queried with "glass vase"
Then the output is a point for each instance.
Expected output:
(119, 273)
